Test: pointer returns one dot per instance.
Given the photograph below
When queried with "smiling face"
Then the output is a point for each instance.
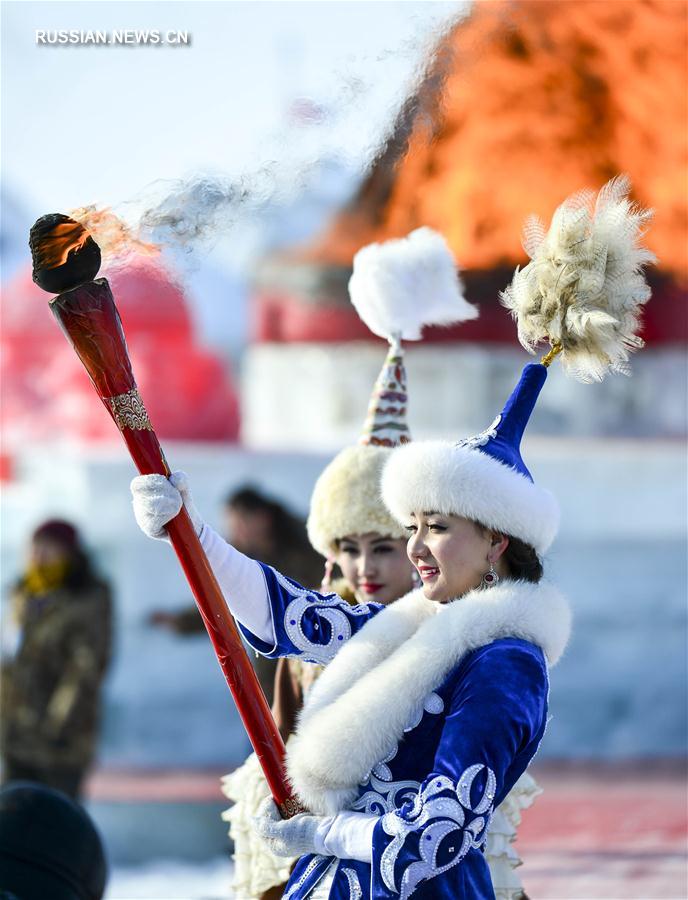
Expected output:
(452, 554)
(375, 567)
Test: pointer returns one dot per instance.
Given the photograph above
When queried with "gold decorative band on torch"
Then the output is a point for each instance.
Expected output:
(128, 411)
(291, 808)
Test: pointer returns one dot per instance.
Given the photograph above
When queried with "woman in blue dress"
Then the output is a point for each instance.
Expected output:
(430, 709)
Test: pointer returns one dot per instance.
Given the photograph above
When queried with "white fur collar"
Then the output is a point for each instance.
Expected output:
(359, 707)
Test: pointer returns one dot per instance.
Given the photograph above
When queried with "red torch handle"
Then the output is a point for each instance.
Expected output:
(224, 636)
(241, 677)
(89, 318)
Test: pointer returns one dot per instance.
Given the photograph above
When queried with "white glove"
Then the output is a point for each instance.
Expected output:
(287, 837)
(348, 835)
(157, 500)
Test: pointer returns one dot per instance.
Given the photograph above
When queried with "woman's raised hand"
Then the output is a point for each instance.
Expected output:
(157, 500)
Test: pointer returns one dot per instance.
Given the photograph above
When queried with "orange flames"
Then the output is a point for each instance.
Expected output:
(114, 237)
(63, 239)
(525, 103)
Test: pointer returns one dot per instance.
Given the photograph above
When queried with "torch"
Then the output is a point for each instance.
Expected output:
(66, 261)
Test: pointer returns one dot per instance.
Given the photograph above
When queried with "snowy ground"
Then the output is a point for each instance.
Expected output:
(171, 880)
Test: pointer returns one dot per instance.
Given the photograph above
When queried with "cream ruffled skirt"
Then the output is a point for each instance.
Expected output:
(256, 869)
(500, 853)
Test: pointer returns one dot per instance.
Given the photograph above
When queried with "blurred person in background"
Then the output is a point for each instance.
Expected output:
(49, 847)
(51, 686)
(263, 529)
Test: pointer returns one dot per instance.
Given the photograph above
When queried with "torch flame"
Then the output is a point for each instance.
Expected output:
(63, 239)
(115, 238)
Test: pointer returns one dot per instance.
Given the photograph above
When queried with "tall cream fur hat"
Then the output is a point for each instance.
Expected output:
(397, 287)
(346, 499)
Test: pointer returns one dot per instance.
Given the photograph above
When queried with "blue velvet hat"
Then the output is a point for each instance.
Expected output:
(502, 440)
(482, 478)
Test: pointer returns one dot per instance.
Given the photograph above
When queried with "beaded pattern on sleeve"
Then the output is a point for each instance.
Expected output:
(355, 890)
(439, 811)
(319, 650)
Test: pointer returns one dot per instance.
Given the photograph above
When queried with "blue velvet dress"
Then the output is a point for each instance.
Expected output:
(435, 792)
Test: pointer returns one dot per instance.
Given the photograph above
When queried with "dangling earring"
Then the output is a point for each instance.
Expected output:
(490, 578)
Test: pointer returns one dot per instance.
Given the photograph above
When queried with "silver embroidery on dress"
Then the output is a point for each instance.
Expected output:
(305, 875)
(435, 818)
(381, 770)
(466, 783)
(355, 892)
(327, 607)
(479, 440)
(323, 886)
(384, 795)
(433, 704)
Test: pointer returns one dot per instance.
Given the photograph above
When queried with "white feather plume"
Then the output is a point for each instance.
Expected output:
(401, 285)
(585, 285)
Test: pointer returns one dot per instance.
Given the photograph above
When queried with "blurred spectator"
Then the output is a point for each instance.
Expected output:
(51, 688)
(49, 847)
(263, 529)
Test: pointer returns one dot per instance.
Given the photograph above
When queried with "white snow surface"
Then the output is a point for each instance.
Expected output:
(172, 880)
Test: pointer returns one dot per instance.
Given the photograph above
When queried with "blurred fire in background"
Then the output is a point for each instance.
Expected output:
(523, 104)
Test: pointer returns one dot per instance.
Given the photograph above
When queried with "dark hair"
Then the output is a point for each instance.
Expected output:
(522, 560)
(59, 531)
(80, 574)
(249, 499)
(286, 528)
